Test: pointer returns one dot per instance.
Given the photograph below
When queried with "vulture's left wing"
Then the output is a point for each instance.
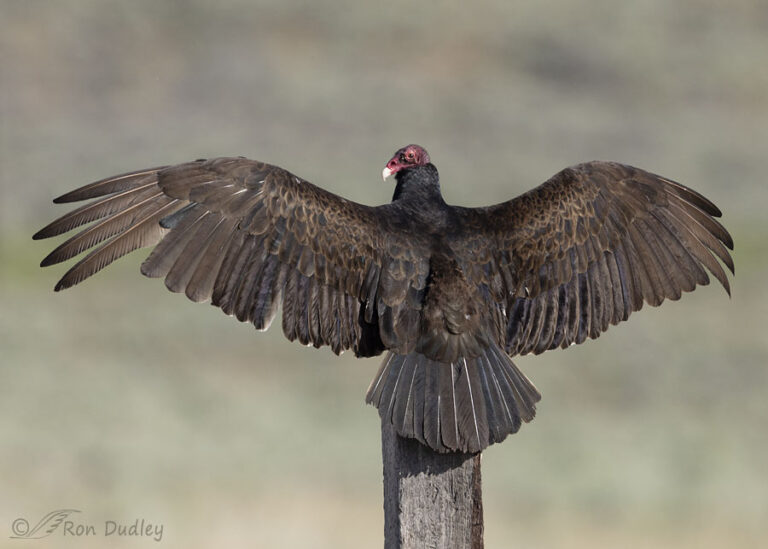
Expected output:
(248, 236)
(586, 248)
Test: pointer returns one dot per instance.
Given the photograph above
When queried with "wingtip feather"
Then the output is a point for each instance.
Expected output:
(41, 234)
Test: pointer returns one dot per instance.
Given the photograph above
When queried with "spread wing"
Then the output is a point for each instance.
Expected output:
(587, 248)
(249, 236)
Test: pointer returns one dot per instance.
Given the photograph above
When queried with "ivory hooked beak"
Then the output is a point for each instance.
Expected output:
(385, 173)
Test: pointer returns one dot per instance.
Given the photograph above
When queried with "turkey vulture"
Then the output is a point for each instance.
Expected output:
(450, 292)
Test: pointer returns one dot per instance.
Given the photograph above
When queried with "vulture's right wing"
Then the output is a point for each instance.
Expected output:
(586, 248)
(248, 236)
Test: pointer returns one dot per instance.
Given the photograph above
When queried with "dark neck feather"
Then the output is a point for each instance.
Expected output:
(419, 182)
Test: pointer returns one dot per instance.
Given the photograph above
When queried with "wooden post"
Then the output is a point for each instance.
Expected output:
(430, 499)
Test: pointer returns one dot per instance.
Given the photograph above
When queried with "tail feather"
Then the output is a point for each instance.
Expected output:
(471, 410)
(446, 408)
(431, 425)
(501, 419)
(462, 406)
(401, 406)
(417, 402)
(525, 392)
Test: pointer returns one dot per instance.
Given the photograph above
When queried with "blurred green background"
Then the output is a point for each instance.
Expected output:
(124, 401)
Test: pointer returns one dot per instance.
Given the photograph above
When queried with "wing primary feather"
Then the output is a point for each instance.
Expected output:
(167, 251)
(673, 239)
(709, 224)
(171, 221)
(184, 267)
(702, 252)
(98, 232)
(200, 287)
(96, 210)
(145, 232)
(110, 185)
(668, 267)
(690, 196)
(650, 265)
(704, 235)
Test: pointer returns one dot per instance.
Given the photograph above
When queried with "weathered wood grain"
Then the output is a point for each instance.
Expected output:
(430, 499)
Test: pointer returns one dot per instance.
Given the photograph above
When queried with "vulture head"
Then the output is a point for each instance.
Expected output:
(408, 156)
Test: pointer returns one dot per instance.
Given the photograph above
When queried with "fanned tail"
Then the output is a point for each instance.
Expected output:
(463, 406)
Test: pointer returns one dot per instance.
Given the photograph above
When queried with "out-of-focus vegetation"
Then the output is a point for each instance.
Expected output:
(125, 401)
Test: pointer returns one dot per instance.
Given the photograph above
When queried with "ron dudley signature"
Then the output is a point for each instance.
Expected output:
(63, 522)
